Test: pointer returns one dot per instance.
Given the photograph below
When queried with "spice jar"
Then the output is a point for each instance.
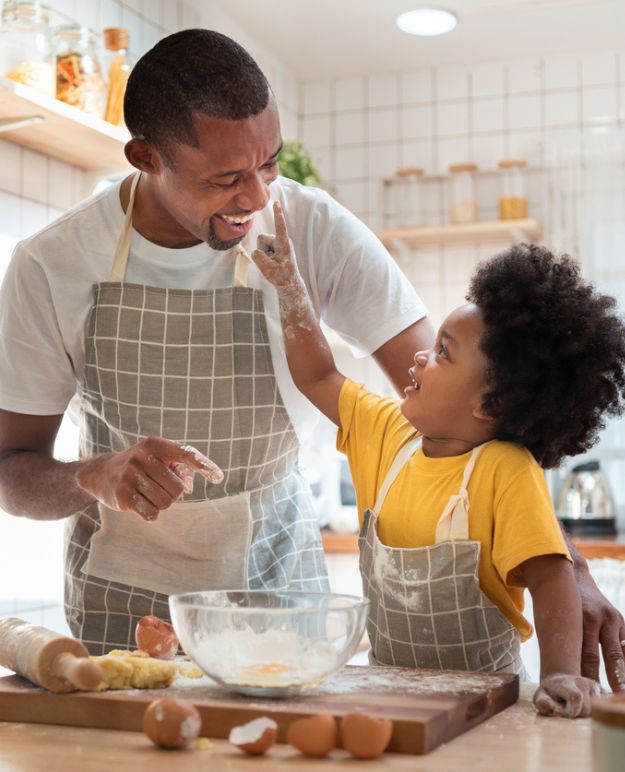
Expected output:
(407, 196)
(79, 79)
(117, 69)
(513, 198)
(26, 54)
(608, 733)
(463, 200)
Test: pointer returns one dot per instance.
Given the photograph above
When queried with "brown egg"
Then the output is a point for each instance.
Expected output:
(365, 737)
(172, 723)
(314, 736)
(156, 638)
(255, 737)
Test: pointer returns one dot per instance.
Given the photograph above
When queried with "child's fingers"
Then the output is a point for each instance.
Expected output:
(282, 235)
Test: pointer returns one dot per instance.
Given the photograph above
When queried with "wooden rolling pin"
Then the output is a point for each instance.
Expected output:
(48, 659)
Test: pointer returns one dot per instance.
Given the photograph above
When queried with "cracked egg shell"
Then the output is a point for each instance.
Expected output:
(172, 723)
(365, 737)
(156, 638)
(314, 736)
(255, 737)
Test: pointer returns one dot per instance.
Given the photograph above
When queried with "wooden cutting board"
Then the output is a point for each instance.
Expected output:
(428, 707)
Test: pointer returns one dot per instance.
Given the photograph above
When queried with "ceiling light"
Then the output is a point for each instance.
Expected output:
(427, 21)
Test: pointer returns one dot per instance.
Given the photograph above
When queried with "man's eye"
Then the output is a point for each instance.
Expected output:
(222, 186)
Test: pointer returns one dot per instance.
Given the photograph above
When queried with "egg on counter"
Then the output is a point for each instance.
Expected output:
(255, 737)
(314, 736)
(156, 637)
(172, 723)
(365, 737)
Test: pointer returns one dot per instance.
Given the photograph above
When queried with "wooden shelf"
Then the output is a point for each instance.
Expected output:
(498, 230)
(65, 132)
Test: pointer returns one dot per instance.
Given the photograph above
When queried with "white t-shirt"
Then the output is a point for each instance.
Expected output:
(47, 292)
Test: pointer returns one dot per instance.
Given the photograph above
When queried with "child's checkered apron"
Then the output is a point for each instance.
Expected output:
(426, 606)
(192, 366)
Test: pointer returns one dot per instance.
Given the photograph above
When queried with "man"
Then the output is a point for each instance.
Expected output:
(142, 301)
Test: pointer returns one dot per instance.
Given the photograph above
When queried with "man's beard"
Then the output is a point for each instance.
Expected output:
(214, 242)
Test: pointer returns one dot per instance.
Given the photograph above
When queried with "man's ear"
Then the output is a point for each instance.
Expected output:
(143, 156)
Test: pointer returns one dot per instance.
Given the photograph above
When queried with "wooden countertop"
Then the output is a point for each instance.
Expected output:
(588, 546)
(516, 740)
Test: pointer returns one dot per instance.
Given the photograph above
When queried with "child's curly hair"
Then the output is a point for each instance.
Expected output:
(556, 349)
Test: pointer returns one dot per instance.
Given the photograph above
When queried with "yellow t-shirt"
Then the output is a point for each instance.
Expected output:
(510, 509)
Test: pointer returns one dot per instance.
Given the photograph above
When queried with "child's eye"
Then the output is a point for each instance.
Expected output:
(441, 351)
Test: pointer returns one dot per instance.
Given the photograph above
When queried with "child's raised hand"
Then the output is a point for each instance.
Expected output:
(274, 255)
(565, 695)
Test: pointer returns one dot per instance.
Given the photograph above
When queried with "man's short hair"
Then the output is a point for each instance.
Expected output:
(190, 72)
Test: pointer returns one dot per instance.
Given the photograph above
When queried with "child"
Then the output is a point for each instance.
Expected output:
(456, 517)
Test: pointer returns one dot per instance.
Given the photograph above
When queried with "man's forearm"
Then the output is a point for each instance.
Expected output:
(40, 487)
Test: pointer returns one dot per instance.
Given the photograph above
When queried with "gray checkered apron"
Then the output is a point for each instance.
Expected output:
(426, 606)
(193, 366)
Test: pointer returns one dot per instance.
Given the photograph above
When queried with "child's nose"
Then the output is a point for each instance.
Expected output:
(421, 358)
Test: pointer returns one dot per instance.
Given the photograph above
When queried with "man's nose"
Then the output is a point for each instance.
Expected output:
(254, 195)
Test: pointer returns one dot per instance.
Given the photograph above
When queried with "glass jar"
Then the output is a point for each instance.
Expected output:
(462, 196)
(407, 197)
(26, 54)
(117, 69)
(79, 80)
(513, 198)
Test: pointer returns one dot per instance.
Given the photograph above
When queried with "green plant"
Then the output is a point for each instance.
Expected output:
(296, 164)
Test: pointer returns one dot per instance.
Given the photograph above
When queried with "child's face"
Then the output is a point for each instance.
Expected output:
(449, 381)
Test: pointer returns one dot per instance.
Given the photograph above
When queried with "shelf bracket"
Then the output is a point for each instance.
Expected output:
(19, 122)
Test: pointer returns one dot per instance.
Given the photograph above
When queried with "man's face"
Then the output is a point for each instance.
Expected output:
(211, 192)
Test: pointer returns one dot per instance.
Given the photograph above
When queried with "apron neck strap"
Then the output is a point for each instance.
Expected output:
(122, 249)
(404, 454)
(454, 521)
(241, 266)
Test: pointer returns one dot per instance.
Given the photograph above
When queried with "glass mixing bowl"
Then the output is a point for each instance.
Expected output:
(268, 644)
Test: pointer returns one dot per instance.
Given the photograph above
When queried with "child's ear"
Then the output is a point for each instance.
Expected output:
(478, 412)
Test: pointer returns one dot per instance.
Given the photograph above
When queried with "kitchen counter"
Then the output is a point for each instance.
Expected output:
(516, 740)
(588, 546)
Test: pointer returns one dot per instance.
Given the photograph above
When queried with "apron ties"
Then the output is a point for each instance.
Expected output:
(426, 606)
(193, 366)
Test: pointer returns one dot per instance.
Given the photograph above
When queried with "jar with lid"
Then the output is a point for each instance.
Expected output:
(407, 196)
(117, 68)
(513, 198)
(462, 196)
(26, 53)
(79, 80)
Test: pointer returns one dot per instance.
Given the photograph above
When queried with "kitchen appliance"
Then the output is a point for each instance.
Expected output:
(585, 504)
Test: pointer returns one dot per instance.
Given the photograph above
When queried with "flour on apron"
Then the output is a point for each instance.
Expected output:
(192, 366)
(426, 606)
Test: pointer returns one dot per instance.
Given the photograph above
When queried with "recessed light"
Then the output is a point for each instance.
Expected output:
(427, 21)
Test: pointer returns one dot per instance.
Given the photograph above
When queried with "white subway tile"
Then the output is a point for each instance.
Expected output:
(110, 14)
(323, 157)
(187, 16)
(134, 25)
(452, 151)
(525, 76)
(34, 175)
(88, 15)
(137, 5)
(350, 163)
(317, 131)
(60, 184)
(525, 111)
(11, 165)
(561, 71)
(352, 195)
(417, 122)
(10, 222)
(151, 36)
(486, 151)
(488, 114)
(382, 90)
(452, 83)
(168, 16)
(383, 160)
(416, 87)
(417, 153)
(526, 144)
(375, 199)
(383, 125)
(349, 94)
(317, 98)
(562, 109)
(599, 68)
(459, 262)
(452, 118)
(600, 105)
(488, 80)
(34, 217)
(453, 295)
(349, 128)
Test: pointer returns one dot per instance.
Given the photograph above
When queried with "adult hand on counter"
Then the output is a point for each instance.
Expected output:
(147, 478)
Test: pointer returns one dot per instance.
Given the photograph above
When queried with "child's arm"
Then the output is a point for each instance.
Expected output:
(307, 351)
(563, 691)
